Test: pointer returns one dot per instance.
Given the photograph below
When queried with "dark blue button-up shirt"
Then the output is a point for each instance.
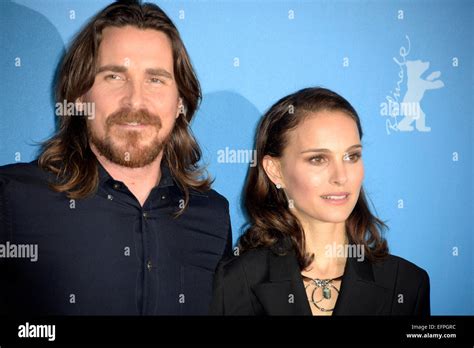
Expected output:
(107, 255)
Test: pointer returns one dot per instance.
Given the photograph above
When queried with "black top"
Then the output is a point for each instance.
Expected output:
(260, 282)
(107, 255)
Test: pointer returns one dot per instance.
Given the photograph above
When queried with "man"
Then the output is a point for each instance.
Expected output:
(115, 217)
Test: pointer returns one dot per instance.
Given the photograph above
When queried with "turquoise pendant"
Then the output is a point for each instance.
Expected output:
(326, 293)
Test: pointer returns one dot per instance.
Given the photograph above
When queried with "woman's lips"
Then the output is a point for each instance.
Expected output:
(336, 199)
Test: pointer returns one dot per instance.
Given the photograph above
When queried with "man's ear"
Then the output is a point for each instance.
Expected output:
(181, 108)
(272, 167)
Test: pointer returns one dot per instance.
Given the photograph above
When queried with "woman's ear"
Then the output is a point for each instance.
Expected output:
(272, 168)
(79, 104)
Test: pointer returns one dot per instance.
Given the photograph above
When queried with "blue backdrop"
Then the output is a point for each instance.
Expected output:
(395, 61)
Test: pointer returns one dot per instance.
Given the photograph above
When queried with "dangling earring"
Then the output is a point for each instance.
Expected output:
(278, 186)
(181, 108)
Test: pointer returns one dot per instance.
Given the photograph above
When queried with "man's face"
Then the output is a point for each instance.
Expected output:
(135, 95)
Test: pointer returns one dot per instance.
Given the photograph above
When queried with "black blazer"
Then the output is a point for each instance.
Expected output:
(260, 282)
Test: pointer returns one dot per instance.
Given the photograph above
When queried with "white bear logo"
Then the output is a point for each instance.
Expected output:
(416, 88)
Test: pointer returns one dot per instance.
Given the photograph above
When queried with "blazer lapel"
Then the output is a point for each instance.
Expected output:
(359, 293)
(283, 293)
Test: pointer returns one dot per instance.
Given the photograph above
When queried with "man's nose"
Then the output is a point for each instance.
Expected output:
(134, 95)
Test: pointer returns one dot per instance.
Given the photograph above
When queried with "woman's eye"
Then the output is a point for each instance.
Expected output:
(317, 160)
(354, 157)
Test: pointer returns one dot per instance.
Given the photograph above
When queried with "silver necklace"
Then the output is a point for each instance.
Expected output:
(325, 285)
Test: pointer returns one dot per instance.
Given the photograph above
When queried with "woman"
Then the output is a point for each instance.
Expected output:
(312, 246)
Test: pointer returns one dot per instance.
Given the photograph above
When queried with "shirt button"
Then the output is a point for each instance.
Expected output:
(149, 265)
(116, 186)
(109, 197)
(163, 197)
(145, 214)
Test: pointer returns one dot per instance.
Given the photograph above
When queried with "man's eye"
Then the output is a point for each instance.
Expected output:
(155, 80)
(113, 77)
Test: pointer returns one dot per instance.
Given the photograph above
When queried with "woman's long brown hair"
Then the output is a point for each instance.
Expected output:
(270, 219)
(68, 155)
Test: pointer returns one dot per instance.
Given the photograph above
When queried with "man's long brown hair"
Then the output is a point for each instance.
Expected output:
(270, 219)
(68, 155)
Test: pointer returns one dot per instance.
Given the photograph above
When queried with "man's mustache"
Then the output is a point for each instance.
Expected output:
(126, 115)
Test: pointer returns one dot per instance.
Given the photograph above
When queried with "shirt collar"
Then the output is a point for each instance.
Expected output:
(166, 179)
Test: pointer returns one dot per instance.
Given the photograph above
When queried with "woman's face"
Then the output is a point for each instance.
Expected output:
(321, 169)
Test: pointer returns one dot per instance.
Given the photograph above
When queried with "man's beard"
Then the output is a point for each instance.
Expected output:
(129, 153)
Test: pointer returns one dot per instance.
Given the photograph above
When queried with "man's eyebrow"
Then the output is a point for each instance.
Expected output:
(327, 150)
(159, 72)
(122, 69)
(113, 68)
